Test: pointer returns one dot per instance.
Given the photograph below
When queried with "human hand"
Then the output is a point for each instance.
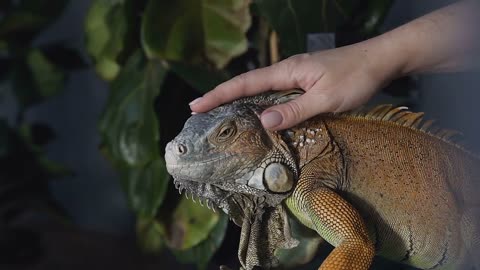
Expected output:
(333, 80)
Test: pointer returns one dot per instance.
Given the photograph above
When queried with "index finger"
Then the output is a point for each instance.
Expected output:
(274, 77)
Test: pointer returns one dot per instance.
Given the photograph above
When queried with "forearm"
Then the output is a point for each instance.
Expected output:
(441, 41)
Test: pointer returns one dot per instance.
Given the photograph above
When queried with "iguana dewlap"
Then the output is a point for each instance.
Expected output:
(377, 182)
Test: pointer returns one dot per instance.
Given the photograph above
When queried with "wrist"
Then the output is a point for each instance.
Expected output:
(441, 41)
(384, 60)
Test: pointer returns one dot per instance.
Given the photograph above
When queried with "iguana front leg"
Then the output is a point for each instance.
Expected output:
(339, 224)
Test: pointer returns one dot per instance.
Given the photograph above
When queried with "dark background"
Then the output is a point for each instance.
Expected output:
(92, 196)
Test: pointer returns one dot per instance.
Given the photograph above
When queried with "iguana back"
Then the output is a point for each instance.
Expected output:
(410, 183)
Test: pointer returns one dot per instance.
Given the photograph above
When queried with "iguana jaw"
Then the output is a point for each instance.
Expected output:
(238, 207)
(224, 195)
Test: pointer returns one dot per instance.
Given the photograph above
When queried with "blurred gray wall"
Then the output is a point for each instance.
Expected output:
(452, 98)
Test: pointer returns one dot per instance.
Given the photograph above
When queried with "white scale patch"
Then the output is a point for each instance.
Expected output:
(306, 138)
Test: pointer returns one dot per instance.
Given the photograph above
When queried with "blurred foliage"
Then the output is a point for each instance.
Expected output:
(195, 31)
(109, 26)
(31, 72)
(34, 71)
(158, 55)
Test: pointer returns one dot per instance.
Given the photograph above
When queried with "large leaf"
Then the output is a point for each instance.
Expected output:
(34, 136)
(107, 28)
(26, 17)
(191, 224)
(203, 252)
(48, 77)
(129, 125)
(21, 21)
(146, 187)
(294, 19)
(199, 78)
(150, 234)
(193, 30)
(36, 78)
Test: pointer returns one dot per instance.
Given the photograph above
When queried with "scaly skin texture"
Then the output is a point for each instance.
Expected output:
(411, 188)
(379, 182)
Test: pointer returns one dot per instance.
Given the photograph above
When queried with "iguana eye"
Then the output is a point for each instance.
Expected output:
(226, 132)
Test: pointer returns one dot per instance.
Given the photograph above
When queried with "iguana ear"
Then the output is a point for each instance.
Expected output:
(271, 98)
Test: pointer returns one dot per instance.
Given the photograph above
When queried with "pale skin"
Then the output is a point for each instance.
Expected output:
(344, 78)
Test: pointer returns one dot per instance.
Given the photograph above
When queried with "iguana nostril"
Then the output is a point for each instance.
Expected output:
(181, 149)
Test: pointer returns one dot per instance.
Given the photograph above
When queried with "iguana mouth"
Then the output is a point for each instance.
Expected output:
(185, 186)
(175, 165)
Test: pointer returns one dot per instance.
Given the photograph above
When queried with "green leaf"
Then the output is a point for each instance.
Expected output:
(36, 79)
(128, 124)
(107, 28)
(203, 252)
(27, 134)
(199, 78)
(22, 21)
(150, 234)
(146, 187)
(28, 17)
(130, 133)
(48, 78)
(193, 30)
(294, 19)
(192, 223)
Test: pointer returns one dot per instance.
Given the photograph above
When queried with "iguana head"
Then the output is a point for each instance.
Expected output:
(227, 158)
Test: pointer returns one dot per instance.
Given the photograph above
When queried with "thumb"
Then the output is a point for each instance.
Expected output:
(296, 111)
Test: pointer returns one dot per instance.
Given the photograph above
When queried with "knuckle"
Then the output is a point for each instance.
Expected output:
(294, 111)
(300, 57)
(296, 60)
(329, 102)
(293, 68)
(239, 79)
(239, 82)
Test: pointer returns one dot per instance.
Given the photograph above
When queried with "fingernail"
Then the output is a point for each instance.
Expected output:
(271, 119)
(195, 101)
(193, 113)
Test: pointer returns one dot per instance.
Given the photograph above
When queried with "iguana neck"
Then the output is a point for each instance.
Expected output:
(311, 142)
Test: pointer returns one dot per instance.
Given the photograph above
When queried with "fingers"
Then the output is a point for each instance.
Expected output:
(293, 112)
(274, 77)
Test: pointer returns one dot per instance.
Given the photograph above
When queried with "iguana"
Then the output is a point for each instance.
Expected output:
(381, 181)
